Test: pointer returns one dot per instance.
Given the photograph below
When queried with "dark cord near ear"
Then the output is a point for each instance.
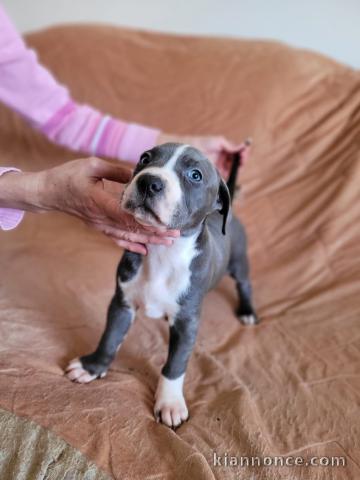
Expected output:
(225, 200)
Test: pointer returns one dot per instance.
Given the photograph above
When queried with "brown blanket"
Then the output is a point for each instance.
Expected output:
(289, 386)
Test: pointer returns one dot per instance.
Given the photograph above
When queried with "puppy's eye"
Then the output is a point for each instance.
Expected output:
(145, 158)
(195, 175)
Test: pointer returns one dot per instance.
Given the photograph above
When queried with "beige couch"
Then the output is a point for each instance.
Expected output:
(289, 386)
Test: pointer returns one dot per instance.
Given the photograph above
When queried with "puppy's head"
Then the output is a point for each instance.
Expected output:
(175, 186)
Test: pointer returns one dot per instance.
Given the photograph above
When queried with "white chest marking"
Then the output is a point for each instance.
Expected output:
(162, 278)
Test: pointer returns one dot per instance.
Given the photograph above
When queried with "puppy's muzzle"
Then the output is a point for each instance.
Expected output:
(149, 186)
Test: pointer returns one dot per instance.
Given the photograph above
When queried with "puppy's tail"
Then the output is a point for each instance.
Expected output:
(236, 162)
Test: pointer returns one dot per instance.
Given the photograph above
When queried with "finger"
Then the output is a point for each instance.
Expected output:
(241, 148)
(229, 147)
(161, 233)
(157, 240)
(111, 171)
(245, 151)
(134, 237)
(131, 246)
(121, 242)
(134, 226)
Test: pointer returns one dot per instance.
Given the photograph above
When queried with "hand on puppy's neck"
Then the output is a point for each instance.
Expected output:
(191, 231)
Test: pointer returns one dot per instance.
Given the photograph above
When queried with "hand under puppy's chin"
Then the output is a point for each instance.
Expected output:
(148, 221)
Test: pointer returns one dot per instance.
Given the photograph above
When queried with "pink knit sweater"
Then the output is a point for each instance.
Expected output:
(29, 88)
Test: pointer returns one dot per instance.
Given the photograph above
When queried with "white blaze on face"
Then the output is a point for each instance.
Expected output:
(167, 204)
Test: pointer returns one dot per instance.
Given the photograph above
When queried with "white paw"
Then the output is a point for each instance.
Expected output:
(248, 319)
(76, 373)
(170, 407)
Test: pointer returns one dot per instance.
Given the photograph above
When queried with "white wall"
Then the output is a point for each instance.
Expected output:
(328, 26)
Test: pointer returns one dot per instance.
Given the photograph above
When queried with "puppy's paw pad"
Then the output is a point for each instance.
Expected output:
(248, 319)
(171, 413)
(76, 373)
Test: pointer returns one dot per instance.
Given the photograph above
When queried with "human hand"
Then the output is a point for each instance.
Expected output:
(217, 149)
(77, 188)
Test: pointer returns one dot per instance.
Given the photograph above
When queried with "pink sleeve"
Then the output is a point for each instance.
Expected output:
(29, 88)
(9, 218)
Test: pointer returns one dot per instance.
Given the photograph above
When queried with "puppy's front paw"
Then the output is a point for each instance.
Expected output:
(172, 413)
(170, 407)
(79, 372)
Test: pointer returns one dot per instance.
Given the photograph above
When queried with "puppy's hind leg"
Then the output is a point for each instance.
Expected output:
(89, 367)
(239, 270)
(245, 311)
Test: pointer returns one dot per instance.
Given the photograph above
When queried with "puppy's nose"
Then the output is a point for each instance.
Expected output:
(150, 184)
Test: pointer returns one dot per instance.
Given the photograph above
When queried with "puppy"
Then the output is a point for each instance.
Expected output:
(173, 186)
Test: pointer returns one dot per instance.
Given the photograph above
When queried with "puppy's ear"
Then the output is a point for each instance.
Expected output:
(224, 200)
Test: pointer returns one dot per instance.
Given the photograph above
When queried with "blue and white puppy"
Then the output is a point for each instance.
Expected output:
(173, 186)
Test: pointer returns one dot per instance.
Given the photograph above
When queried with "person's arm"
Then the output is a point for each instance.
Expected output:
(77, 188)
(30, 89)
